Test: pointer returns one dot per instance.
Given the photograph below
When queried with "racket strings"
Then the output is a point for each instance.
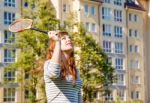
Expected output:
(20, 25)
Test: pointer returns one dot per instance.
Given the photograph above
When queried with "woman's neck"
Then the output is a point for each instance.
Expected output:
(65, 55)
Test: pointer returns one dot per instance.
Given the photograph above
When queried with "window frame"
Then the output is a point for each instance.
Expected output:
(10, 55)
(10, 3)
(9, 17)
(106, 13)
(118, 2)
(119, 63)
(118, 15)
(107, 46)
(120, 79)
(9, 37)
(118, 31)
(107, 29)
(121, 94)
(9, 97)
(118, 47)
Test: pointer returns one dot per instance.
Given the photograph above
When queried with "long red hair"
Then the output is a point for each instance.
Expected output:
(70, 62)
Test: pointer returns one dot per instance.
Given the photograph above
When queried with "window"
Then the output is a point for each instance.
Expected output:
(64, 7)
(106, 30)
(106, 13)
(86, 9)
(133, 33)
(135, 18)
(10, 3)
(118, 15)
(106, 1)
(118, 2)
(131, 48)
(9, 37)
(130, 17)
(135, 79)
(134, 64)
(93, 10)
(9, 95)
(121, 94)
(90, 27)
(119, 63)
(26, 4)
(26, 94)
(8, 17)
(26, 75)
(136, 49)
(118, 32)
(118, 47)
(130, 32)
(9, 55)
(109, 97)
(107, 46)
(135, 95)
(96, 95)
(93, 28)
(87, 26)
(9, 75)
(120, 79)
(109, 60)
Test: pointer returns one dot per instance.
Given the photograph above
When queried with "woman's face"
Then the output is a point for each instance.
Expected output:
(66, 43)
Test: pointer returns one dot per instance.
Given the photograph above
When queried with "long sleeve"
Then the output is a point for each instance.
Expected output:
(79, 92)
(51, 70)
(79, 97)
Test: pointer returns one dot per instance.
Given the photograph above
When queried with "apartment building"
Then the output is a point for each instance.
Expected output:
(9, 11)
(119, 27)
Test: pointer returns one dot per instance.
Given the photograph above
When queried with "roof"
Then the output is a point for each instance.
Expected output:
(97, 1)
(134, 5)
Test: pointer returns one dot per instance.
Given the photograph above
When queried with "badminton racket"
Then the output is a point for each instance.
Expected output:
(23, 24)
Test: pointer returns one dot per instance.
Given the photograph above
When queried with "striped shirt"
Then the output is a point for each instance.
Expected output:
(58, 90)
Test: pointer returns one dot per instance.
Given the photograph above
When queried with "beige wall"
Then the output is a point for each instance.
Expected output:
(91, 18)
(146, 4)
(136, 56)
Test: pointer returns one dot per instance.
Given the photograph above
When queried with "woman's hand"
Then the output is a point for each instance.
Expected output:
(53, 35)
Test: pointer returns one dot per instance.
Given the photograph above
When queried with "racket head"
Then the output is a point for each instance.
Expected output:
(20, 25)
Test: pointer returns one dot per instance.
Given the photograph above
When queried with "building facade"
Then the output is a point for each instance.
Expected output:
(119, 27)
(10, 92)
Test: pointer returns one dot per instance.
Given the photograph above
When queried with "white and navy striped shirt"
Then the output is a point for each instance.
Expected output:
(58, 90)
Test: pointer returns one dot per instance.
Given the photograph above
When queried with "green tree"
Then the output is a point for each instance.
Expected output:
(97, 74)
(33, 46)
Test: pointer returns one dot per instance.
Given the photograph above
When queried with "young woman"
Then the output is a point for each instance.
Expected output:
(62, 79)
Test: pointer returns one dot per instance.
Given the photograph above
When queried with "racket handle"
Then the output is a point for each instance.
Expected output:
(42, 31)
